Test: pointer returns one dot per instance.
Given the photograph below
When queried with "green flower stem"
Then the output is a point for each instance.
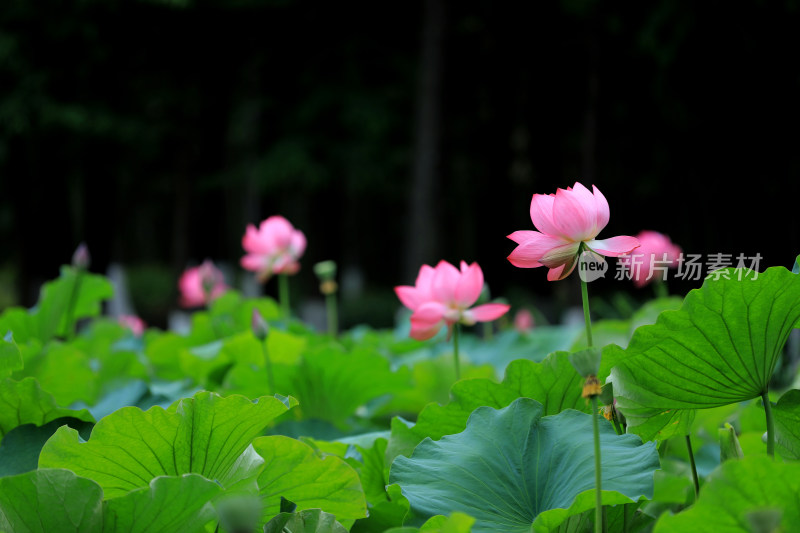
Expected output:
(586, 317)
(625, 517)
(694, 467)
(617, 427)
(456, 332)
(598, 509)
(283, 294)
(268, 364)
(770, 424)
(660, 288)
(333, 314)
(73, 301)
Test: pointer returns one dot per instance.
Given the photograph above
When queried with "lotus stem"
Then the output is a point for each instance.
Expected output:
(617, 427)
(268, 364)
(587, 319)
(333, 314)
(73, 301)
(694, 467)
(625, 518)
(770, 424)
(456, 332)
(660, 288)
(598, 509)
(283, 294)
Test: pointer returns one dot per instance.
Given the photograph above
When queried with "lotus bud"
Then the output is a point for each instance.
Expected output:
(258, 325)
(326, 272)
(81, 258)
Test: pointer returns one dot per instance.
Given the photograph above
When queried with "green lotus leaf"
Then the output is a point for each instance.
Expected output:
(52, 311)
(58, 360)
(10, 356)
(554, 383)
(734, 491)
(386, 504)
(515, 470)
(331, 384)
(206, 434)
(455, 523)
(292, 470)
(719, 348)
(308, 521)
(787, 424)
(24, 402)
(45, 501)
(620, 331)
(20, 447)
(168, 504)
(18, 320)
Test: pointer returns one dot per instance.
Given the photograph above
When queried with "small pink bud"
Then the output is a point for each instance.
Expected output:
(523, 321)
(134, 323)
(81, 258)
(258, 325)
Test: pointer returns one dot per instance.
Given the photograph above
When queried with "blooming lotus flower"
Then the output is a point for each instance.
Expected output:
(654, 246)
(133, 323)
(201, 284)
(273, 248)
(565, 221)
(443, 295)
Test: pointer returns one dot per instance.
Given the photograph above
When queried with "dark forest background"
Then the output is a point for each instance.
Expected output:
(392, 133)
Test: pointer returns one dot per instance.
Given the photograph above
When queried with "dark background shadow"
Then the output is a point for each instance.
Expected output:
(391, 134)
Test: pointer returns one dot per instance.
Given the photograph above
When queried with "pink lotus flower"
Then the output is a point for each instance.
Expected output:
(523, 321)
(201, 284)
(273, 248)
(656, 250)
(133, 323)
(566, 220)
(443, 295)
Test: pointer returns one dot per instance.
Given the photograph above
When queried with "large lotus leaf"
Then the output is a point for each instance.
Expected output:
(20, 447)
(46, 501)
(515, 470)
(455, 523)
(386, 504)
(206, 434)
(24, 402)
(331, 384)
(735, 490)
(162, 353)
(55, 362)
(239, 310)
(719, 348)
(787, 424)
(619, 332)
(19, 321)
(554, 383)
(432, 378)
(113, 352)
(168, 504)
(508, 345)
(52, 311)
(10, 356)
(292, 470)
(308, 521)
